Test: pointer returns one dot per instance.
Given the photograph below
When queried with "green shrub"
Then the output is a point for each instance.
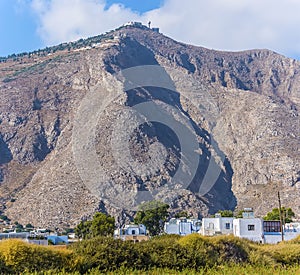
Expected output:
(256, 258)
(231, 249)
(106, 254)
(287, 254)
(20, 257)
(295, 240)
(166, 252)
(201, 252)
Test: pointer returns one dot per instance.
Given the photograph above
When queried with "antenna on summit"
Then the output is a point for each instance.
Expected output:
(149, 24)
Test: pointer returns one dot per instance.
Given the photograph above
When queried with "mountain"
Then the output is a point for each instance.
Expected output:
(105, 123)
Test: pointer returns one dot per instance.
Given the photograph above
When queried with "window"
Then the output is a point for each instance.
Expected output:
(227, 225)
(271, 226)
(133, 232)
(251, 227)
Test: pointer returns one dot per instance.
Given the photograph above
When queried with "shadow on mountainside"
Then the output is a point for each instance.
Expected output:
(220, 195)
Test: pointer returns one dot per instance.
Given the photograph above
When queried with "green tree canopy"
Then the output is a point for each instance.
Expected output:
(82, 230)
(4, 218)
(100, 225)
(152, 214)
(29, 225)
(239, 214)
(182, 214)
(287, 215)
(225, 213)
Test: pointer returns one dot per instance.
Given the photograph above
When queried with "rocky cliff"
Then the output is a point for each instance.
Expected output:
(71, 142)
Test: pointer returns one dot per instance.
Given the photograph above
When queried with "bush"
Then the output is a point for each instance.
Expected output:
(172, 254)
(4, 269)
(256, 258)
(201, 252)
(20, 257)
(166, 252)
(285, 254)
(295, 240)
(231, 249)
(107, 254)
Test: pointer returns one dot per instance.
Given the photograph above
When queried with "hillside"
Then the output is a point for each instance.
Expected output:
(62, 157)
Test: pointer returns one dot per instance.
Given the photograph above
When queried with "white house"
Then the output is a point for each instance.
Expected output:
(182, 226)
(272, 231)
(132, 232)
(14, 235)
(249, 228)
(217, 226)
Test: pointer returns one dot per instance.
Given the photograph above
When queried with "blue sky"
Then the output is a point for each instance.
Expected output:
(138, 5)
(17, 29)
(18, 23)
(27, 25)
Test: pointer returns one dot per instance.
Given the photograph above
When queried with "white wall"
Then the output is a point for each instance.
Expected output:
(223, 222)
(272, 238)
(241, 229)
(172, 228)
(212, 225)
(131, 229)
(185, 228)
(276, 238)
(182, 226)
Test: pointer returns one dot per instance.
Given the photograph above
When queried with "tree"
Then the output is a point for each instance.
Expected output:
(225, 213)
(100, 225)
(182, 214)
(29, 226)
(19, 227)
(287, 215)
(152, 214)
(4, 218)
(82, 230)
(239, 214)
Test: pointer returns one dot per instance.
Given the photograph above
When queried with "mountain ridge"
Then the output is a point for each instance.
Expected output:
(258, 130)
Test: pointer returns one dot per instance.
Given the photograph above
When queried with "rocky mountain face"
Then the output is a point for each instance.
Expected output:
(71, 142)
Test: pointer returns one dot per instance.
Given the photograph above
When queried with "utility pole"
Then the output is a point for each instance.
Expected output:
(280, 217)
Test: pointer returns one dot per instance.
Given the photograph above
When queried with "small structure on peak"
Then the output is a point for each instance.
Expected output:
(140, 25)
(133, 24)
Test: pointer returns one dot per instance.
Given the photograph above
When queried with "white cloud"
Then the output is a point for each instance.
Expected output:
(65, 20)
(218, 24)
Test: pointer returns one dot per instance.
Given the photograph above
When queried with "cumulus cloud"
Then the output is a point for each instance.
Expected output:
(218, 24)
(66, 20)
(233, 25)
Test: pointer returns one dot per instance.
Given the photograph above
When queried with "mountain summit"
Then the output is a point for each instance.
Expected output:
(111, 121)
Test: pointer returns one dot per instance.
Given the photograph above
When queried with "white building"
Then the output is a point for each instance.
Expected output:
(133, 24)
(217, 226)
(14, 235)
(249, 228)
(132, 232)
(272, 232)
(182, 226)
